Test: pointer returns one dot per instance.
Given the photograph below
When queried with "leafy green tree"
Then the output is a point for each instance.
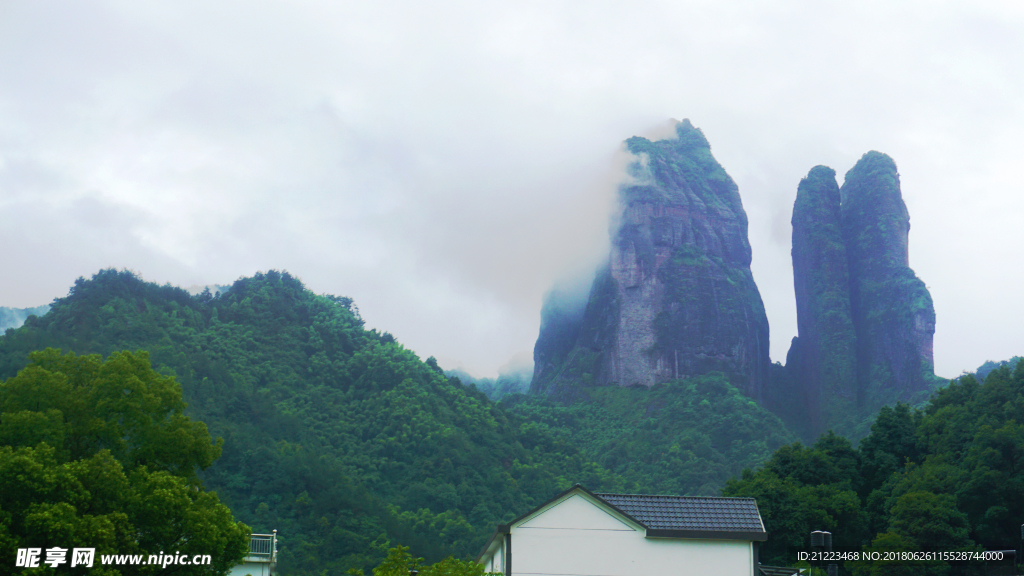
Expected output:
(888, 543)
(99, 455)
(82, 405)
(919, 521)
(892, 443)
(930, 521)
(801, 489)
(399, 562)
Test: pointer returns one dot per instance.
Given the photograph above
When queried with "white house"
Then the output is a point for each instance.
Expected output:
(580, 533)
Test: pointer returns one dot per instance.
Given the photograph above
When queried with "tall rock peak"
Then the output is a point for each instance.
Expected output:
(677, 297)
(875, 219)
(823, 356)
(865, 320)
(892, 309)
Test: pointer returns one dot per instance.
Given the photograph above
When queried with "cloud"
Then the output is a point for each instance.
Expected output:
(444, 164)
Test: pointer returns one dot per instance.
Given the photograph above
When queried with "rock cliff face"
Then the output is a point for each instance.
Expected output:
(823, 356)
(677, 297)
(892, 309)
(865, 320)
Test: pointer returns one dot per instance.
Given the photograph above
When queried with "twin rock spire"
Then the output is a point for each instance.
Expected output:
(677, 297)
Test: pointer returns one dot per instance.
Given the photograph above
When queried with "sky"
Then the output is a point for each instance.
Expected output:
(444, 163)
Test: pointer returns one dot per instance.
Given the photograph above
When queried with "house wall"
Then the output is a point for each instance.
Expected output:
(578, 536)
(494, 559)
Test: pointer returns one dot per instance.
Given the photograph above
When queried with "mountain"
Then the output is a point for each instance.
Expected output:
(892, 309)
(337, 436)
(865, 320)
(213, 289)
(989, 366)
(676, 298)
(15, 317)
(515, 381)
(823, 356)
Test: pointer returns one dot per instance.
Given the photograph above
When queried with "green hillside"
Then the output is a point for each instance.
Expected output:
(946, 478)
(681, 437)
(337, 436)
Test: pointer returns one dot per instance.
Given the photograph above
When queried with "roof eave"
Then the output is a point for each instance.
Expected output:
(708, 534)
(501, 530)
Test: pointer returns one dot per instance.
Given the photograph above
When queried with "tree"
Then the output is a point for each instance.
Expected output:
(98, 454)
(919, 521)
(399, 562)
(82, 405)
(892, 442)
(801, 489)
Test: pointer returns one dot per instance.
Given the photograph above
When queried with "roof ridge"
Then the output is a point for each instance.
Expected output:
(674, 496)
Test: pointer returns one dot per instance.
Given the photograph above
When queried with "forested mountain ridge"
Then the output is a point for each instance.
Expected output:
(990, 365)
(337, 436)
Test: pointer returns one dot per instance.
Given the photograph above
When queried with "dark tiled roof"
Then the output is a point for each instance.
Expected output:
(690, 513)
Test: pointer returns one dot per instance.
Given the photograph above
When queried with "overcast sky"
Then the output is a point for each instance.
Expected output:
(444, 163)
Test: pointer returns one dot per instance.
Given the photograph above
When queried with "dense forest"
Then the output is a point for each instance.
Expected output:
(947, 477)
(338, 437)
(350, 445)
(681, 437)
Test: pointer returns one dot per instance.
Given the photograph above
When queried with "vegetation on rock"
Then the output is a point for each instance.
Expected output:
(892, 309)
